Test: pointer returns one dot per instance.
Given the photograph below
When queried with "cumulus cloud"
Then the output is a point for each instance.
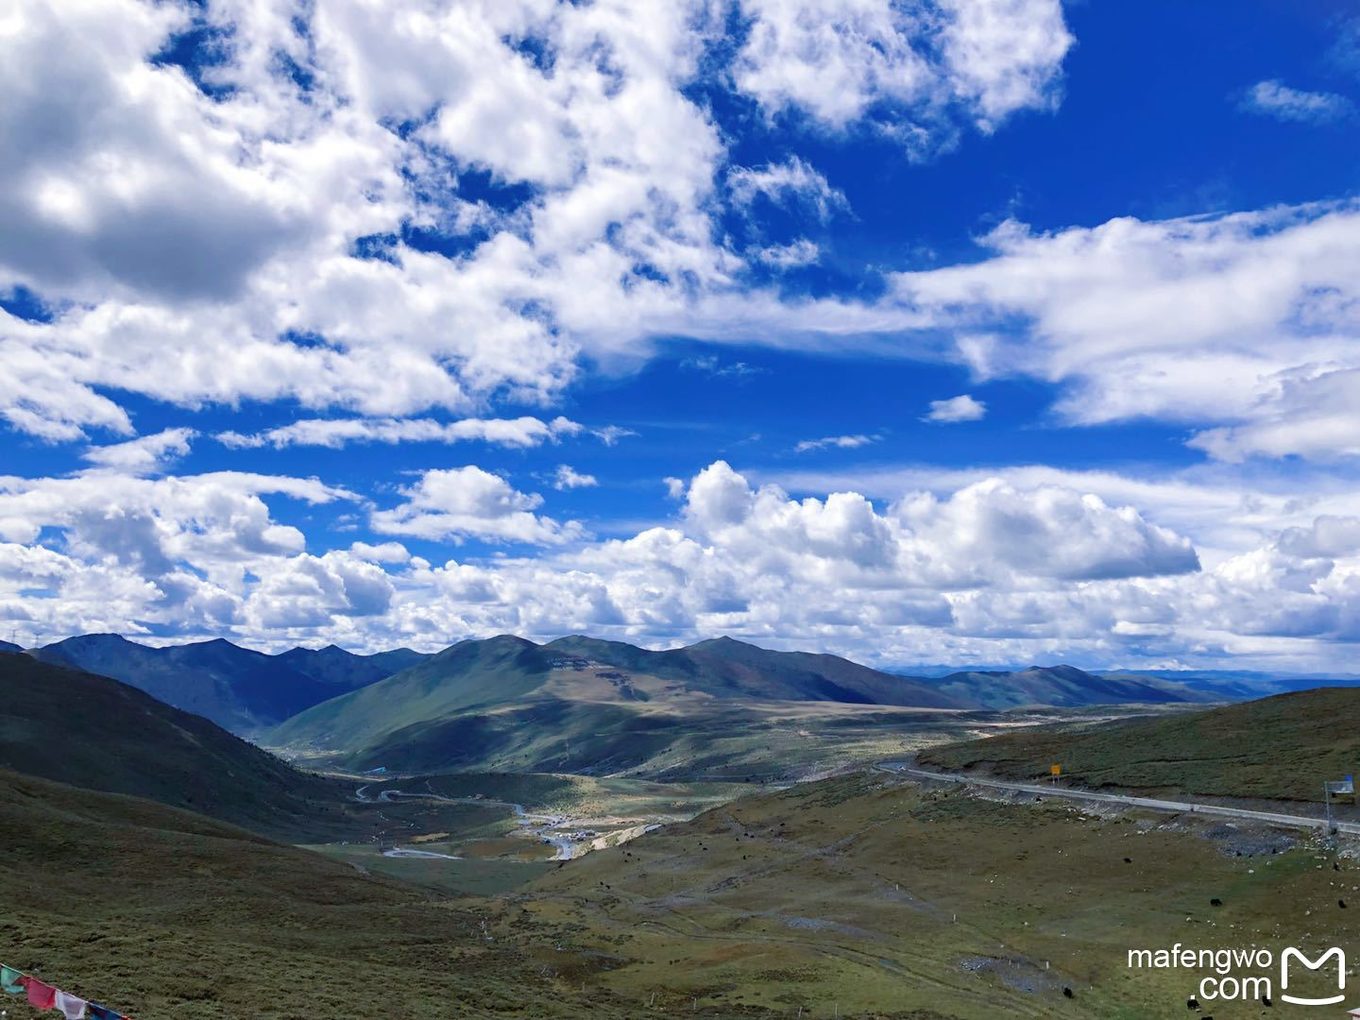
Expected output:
(382, 216)
(468, 502)
(955, 409)
(838, 60)
(1275, 99)
(186, 553)
(837, 442)
(1020, 564)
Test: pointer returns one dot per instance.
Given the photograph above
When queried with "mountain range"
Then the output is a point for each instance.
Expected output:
(241, 690)
(1063, 687)
(580, 702)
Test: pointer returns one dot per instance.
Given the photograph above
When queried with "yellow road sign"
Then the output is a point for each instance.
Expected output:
(1055, 770)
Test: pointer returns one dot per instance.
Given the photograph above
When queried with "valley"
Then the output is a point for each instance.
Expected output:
(504, 829)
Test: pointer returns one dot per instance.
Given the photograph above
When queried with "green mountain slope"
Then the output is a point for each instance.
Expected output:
(93, 732)
(726, 668)
(167, 914)
(1063, 687)
(1281, 747)
(580, 703)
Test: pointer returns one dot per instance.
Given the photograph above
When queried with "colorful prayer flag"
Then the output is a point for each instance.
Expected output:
(11, 980)
(72, 1007)
(41, 995)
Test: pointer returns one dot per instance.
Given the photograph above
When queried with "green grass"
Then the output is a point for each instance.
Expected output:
(468, 877)
(168, 915)
(1279, 748)
(93, 732)
(870, 897)
(859, 896)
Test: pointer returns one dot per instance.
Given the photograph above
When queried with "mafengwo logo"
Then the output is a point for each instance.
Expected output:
(1248, 975)
(1292, 956)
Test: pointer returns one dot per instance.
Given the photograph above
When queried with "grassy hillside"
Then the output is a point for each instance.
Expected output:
(90, 731)
(166, 914)
(578, 704)
(722, 740)
(725, 668)
(864, 896)
(1278, 748)
(1063, 687)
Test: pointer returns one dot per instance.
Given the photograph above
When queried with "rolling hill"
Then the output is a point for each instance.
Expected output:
(242, 690)
(164, 913)
(1063, 687)
(6, 646)
(583, 703)
(862, 896)
(89, 731)
(1279, 748)
(578, 703)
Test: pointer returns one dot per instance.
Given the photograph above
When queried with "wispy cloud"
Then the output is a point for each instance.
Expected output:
(713, 365)
(836, 442)
(801, 252)
(338, 432)
(143, 455)
(1275, 99)
(793, 182)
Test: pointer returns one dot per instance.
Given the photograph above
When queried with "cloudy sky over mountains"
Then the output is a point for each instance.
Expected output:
(962, 330)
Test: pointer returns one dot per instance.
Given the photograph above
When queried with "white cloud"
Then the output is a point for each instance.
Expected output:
(180, 552)
(144, 454)
(1275, 99)
(955, 409)
(838, 60)
(801, 252)
(1023, 564)
(568, 477)
(468, 502)
(611, 434)
(711, 364)
(793, 182)
(338, 432)
(837, 442)
(1246, 322)
(227, 214)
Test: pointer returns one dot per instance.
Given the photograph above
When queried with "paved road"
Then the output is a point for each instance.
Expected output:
(1067, 793)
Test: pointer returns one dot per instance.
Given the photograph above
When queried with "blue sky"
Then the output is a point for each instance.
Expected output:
(986, 331)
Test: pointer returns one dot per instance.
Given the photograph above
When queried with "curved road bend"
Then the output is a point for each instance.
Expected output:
(1153, 804)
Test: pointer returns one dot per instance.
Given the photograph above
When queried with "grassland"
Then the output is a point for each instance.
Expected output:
(1279, 748)
(169, 915)
(857, 896)
(867, 896)
(506, 829)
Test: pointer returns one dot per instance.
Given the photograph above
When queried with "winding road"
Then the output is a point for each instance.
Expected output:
(539, 826)
(1151, 803)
